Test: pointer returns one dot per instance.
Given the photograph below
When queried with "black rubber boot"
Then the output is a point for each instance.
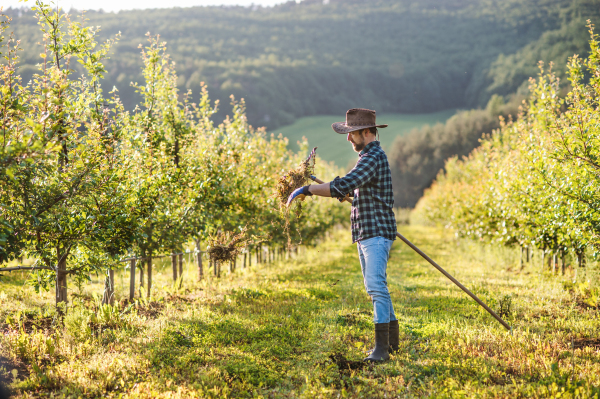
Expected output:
(394, 336)
(382, 344)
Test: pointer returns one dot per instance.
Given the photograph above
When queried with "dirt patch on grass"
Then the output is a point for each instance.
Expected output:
(354, 318)
(176, 298)
(581, 343)
(585, 304)
(152, 310)
(345, 364)
(9, 365)
(30, 322)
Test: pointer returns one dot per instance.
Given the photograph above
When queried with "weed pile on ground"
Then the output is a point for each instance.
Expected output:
(226, 246)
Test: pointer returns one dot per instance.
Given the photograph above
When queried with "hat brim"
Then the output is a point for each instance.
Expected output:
(343, 128)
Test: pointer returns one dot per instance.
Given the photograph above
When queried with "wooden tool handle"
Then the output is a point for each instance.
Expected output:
(445, 273)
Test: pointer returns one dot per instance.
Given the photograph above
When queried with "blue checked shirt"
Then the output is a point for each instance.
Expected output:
(370, 182)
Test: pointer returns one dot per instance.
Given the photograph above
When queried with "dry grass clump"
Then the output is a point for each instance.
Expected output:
(294, 179)
(226, 246)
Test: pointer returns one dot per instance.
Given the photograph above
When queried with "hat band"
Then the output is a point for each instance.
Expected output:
(359, 124)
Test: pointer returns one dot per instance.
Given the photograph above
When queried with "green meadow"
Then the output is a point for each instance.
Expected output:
(333, 147)
(298, 328)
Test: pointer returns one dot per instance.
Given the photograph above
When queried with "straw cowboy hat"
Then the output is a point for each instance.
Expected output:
(356, 119)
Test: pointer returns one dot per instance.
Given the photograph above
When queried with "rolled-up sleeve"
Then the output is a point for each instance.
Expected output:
(364, 170)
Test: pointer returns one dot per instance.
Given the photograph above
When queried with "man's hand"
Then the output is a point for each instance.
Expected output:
(346, 198)
(299, 193)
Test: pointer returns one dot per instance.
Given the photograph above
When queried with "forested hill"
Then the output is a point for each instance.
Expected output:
(318, 57)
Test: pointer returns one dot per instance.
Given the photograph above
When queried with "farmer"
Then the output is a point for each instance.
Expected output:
(372, 219)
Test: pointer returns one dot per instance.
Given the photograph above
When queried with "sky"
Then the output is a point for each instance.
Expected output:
(116, 5)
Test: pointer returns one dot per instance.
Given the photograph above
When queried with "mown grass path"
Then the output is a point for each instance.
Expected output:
(286, 330)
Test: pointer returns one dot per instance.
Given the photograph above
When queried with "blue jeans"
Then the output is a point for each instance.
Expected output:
(374, 254)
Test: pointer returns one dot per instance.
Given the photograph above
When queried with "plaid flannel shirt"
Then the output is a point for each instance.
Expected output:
(371, 183)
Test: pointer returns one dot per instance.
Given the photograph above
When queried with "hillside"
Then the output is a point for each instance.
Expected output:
(333, 147)
(313, 58)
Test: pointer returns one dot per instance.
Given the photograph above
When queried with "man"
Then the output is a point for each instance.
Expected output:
(372, 219)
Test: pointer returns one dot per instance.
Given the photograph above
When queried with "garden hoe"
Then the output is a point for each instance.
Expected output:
(445, 273)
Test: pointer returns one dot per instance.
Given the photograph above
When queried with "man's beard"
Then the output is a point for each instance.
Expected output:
(358, 147)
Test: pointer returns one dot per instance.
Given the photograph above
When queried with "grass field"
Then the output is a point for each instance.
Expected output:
(333, 147)
(299, 328)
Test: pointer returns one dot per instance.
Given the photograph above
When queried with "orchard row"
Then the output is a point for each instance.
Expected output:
(535, 182)
(85, 183)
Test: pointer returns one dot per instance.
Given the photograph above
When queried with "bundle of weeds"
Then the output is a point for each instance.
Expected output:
(226, 246)
(294, 179)
(290, 181)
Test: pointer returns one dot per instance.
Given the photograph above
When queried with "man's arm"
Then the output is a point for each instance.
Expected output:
(322, 190)
(362, 173)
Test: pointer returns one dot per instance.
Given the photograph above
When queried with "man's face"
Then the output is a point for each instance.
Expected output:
(357, 138)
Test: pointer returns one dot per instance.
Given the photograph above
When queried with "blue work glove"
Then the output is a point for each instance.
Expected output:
(300, 194)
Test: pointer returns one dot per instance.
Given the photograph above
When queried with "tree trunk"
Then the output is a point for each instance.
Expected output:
(244, 264)
(580, 263)
(61, 276)
(554, 260)
(142, 262)
(149, 271)
(521, 260)
(564, 262)
(199, 261)
(581, 259)
(109, 288)
(543, 259)
(174, 266)
(131, 279)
